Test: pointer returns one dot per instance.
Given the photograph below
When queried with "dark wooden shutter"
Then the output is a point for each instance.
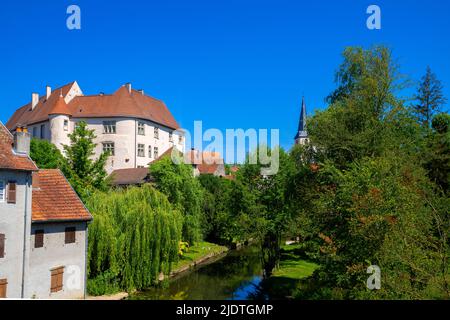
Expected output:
(70, 235)
(39, 238)
(3, 287)
(2, 245)
(11, 192)
(57, 279)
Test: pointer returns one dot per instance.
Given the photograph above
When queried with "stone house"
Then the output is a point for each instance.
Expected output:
(43, 227)
(134, 127)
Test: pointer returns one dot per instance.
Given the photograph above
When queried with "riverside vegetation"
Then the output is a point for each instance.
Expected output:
(371, 188)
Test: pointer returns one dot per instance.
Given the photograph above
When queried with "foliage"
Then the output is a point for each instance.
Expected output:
(84, 174)
(45, 154)
(133, 238)
(367, 199)
(429, 97)
(176, 180)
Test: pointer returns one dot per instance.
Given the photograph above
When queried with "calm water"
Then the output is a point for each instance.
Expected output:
(235, 276)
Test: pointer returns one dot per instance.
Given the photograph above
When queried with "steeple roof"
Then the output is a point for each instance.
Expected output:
(301, 132)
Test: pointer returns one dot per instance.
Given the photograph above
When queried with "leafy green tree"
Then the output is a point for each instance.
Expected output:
(368, 199)
(177, 181)
(271, 209)
(430, 98)
(45, 154)
(438, 152)
(83, 172)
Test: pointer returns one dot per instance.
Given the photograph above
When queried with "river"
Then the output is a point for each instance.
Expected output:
(235, 276)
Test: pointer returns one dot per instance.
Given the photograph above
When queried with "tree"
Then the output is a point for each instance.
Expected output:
(183, 191)
(430, 98)
(438, 152)
(45, 154)
(83, 172)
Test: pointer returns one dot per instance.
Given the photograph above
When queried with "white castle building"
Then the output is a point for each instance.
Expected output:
(134, 127)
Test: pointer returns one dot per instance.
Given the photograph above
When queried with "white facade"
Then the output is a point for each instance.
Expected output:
(127, 140)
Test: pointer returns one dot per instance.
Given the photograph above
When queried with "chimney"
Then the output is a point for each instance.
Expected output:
(141, 91)
(49, 92)
(22, 141)
(34, 100)
(128, 85)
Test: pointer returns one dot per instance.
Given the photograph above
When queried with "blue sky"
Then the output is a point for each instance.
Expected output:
(232, 64)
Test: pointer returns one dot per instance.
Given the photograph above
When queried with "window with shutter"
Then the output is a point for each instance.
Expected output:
(57, 275)
(70, 235)
(39, 238)
(11, 192)
(3, 285)
(2, 245)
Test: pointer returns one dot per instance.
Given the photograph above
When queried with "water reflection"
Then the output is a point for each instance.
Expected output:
(237, 277)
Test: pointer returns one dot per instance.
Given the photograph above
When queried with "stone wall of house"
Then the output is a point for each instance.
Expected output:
(54, 254)
(15, 222)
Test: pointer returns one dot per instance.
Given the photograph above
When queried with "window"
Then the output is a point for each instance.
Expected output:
(3, 285)
(141, 128)
(156, 133)
(42, 131)
(2, 191)
(109, 127)
(155, 151)
(170, 137)
(34, 132)
(109, 147)
(11, 192)
(2, 245)
(70, 235)
(66, 125)
(141, 150)
(149, 151)
(57, 279)
(180, 139)
(39, 238)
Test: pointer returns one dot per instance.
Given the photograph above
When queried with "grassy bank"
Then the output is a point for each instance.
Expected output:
(292, 269)
(199, 252)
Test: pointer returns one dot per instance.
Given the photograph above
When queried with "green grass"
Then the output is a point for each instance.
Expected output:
(197, 251)
(292, 269)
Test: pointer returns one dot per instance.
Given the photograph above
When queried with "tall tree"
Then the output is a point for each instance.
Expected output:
(429, 97)
(45, 154)
(83, 172)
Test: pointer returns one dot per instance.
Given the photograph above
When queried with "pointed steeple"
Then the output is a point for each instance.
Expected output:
(302, 134)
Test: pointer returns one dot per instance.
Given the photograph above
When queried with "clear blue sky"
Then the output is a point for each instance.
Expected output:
(230, 63)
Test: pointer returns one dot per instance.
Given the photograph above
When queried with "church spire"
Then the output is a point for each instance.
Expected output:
(302, 135)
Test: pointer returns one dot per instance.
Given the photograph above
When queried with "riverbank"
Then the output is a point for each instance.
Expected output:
(292, 269)
(201, 253)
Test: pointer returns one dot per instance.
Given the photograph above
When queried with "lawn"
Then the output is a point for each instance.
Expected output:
(291, 270)
(198, 251)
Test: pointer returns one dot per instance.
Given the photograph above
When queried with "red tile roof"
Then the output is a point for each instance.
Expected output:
(122, 103)
(131, 176)
(53, 199)
(8, 158)
(207, 162)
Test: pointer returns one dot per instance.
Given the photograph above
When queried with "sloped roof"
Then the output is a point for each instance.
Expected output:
(130, 176)
(53, 199)
(207, 162)
(121, 103)
(26, 115)
(8, 158)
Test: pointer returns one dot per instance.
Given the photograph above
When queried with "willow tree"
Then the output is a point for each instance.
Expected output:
(133, 239)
